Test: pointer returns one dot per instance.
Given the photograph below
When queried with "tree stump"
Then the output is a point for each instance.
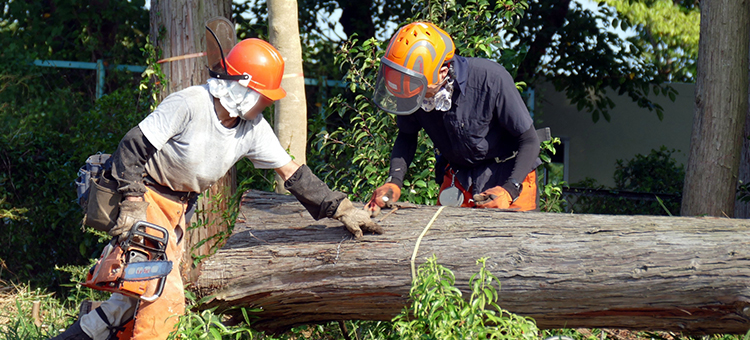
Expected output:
(564, 270)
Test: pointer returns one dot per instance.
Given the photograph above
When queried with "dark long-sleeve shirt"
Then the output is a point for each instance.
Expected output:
(487, 121)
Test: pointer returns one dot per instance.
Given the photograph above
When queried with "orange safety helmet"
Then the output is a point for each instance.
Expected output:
(422, 47)
(260, 64)
(412, 61)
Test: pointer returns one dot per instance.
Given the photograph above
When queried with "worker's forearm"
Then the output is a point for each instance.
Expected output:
(129, 162)
(402, 155)
(528, 151)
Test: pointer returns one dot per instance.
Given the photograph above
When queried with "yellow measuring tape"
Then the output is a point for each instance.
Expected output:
(419, 240)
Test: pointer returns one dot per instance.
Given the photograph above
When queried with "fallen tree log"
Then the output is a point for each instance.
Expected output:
(564, 270)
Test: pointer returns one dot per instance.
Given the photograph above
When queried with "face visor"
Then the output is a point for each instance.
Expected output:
(399, 90)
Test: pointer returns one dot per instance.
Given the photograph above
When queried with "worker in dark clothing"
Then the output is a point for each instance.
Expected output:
(486, 144)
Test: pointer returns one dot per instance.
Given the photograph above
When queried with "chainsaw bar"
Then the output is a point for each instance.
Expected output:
(146, 270)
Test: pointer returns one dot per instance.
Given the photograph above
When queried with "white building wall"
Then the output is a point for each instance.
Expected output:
(593, 148)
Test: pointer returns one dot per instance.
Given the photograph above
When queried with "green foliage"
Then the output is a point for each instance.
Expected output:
(439, 311)
(551, 183)
(50, 123)
(566, 45)
(743, 192)
(655, 181)
(11, 213)
(667, 33)
(224, 210)
(656, 172)
(21, 325)
(47, 139)
(352, 152)
(75, 30)
(208, 325)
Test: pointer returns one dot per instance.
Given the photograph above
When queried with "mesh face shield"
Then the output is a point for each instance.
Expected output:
(220, 37)
(399, 90)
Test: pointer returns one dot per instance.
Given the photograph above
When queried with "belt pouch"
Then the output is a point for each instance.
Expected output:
(103, 204)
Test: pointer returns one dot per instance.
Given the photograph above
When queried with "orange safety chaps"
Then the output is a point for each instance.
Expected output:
(156, 319)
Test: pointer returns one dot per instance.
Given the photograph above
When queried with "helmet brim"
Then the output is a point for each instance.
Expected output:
(274, 94)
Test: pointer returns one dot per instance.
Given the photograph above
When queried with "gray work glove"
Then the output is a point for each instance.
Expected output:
(130, 212)
(355, 220)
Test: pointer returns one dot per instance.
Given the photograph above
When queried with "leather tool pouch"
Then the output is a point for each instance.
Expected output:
(97, 193)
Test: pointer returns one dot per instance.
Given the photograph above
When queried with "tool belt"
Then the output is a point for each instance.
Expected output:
(177, 196)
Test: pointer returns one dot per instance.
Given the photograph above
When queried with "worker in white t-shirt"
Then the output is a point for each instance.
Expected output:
(188, 143)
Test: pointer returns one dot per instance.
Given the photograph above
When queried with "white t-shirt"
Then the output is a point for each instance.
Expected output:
(194, 150)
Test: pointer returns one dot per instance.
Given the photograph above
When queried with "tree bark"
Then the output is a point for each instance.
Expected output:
(290, 122)
(721, 106)
(594, 271)
(742, 209)
(178, 31)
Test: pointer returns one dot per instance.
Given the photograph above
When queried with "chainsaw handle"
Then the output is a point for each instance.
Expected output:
(140, 228)
(157, 294)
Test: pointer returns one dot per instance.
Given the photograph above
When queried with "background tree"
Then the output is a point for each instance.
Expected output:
(571, 47)
(721, 107)
(178, 31)
(290, 120)
(667, 32)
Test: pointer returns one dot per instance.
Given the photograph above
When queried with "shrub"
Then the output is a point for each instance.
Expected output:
(439, 311)
(644, 185)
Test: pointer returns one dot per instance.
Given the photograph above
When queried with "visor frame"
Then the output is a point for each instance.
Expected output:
(384, 94)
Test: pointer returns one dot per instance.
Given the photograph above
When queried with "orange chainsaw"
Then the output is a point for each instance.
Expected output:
(128, 267)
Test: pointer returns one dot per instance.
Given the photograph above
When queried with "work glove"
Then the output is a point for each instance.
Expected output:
(130, 212)
(495, 197)
(355, 220)
(383, 197)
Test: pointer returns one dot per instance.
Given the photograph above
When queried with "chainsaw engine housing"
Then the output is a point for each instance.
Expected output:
(129, 267)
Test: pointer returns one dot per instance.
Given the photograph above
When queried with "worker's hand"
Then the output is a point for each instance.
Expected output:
(383, 197)
(496, 197)
(355, 220)
(130, 212)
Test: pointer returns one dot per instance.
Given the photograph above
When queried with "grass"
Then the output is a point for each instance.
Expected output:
(18, 319)
(56, 313)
